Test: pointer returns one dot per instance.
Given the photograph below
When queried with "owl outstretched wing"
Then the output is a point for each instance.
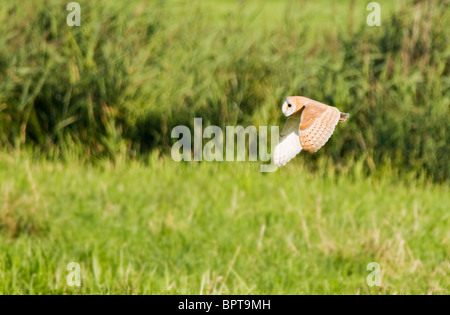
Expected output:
(289, 144)
(317, 125)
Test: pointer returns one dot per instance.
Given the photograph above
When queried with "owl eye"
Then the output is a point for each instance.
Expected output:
(289, 105)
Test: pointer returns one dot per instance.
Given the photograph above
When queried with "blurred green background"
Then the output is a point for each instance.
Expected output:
(86, 175)
(136, 69)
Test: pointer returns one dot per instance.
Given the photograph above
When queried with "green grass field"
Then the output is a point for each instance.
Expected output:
(214, 228)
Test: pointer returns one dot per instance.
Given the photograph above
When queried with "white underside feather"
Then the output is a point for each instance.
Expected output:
(289, 144)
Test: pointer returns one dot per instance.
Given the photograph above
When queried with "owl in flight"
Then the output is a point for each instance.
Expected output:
(309, 126)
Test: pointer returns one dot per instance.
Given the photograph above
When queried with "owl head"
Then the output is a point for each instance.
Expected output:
(293, 104)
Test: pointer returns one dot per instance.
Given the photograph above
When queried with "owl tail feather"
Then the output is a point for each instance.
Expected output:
(344, 116)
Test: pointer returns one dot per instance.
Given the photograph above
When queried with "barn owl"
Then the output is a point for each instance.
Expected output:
(309, 126)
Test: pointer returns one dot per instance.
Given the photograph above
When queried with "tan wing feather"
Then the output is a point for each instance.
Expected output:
(317, 125)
